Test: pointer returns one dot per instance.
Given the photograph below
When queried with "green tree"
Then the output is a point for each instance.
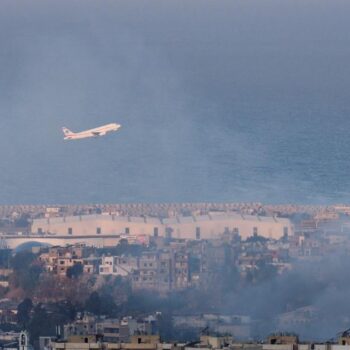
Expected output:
(28, 279)
(26, 273)
(22, 260)
(93, 303)
(75, 271)
(62, 312)
(40, 325)
(23, 312)
(103, 305)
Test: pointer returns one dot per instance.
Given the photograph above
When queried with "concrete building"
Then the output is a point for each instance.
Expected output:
(59, 259)
(145, 277)
(162, 271)
(110, 330)
(208, 226)
(239, 326)
(118, 265)
(113, 331)
(97, 342)
(83, 326)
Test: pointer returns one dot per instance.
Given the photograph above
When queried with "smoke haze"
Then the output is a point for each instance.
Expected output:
(319, 288)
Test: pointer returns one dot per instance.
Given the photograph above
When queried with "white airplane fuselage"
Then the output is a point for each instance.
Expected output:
(100, 131)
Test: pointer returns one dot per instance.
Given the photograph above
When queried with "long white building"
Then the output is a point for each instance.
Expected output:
(185, 227)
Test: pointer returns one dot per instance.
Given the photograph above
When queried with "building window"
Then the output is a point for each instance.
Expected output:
(98, 230)
(236, 230)
(198, 233)
(127, 230)
(255, 231)
(285, 231)
(155, 232)
(40, 231)
(70, 231)
(111, 330)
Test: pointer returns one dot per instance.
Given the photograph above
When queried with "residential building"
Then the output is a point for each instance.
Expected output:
(118, 265)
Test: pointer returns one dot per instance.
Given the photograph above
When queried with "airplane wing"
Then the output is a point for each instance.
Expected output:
(99, 133)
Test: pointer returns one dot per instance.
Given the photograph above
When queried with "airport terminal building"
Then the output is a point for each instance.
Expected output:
(208, 226)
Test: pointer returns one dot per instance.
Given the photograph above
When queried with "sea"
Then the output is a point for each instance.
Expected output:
(227, 101)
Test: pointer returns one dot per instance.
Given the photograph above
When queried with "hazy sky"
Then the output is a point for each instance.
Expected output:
(218, 100)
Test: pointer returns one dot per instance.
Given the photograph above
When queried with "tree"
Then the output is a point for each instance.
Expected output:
(29, 279)
(22, 260)
(108, 306)
(23, 312)
(26, 272)
(62, 312)
(40, 324)
(75, 271)
(123, 248)
(93, 303)
(103, 305)
(256, 239)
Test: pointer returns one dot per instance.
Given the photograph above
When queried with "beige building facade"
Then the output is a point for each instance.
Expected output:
(209, 226)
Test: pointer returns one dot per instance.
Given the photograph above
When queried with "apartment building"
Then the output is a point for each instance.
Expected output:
(118, 265)
(163, 270)
(58, 260)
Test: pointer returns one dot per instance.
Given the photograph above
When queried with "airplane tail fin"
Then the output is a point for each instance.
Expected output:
(67, 132)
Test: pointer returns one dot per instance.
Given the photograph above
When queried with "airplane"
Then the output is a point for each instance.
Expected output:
(100, 131)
